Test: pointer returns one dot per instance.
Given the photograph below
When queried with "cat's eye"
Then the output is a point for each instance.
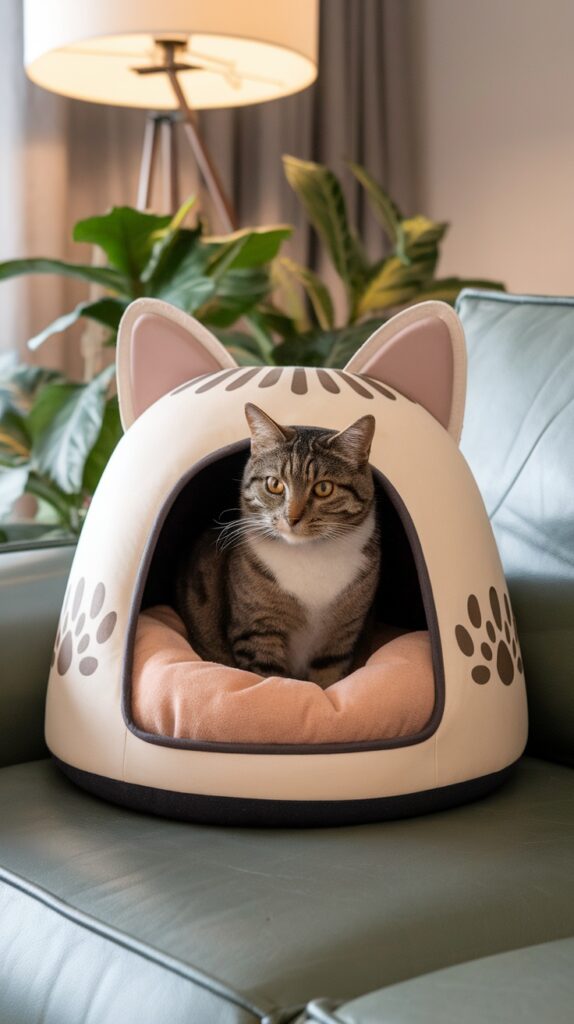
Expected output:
(323, 489)
(274, 486)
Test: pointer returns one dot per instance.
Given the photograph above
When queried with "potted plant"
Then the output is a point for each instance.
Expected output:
(56, 435)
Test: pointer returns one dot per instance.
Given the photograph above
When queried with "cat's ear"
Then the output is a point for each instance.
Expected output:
(265, 432)
(354, 443)
(421, 353)
(160, 347)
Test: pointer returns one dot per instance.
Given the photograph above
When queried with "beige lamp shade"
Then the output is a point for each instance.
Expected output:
(240, 51)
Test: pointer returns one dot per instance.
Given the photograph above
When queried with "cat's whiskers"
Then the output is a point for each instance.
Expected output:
(235, 533)
(329, 531)
(227, 522)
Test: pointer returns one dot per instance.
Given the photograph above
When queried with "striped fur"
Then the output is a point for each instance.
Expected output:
(286, 589)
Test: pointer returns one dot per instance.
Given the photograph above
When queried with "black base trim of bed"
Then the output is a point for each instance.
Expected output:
(239, 811)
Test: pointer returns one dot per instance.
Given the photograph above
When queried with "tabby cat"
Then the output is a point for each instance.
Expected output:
(286, 588)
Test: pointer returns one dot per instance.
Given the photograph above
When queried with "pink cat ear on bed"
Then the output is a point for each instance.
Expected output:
(421, 352)
(160, 347)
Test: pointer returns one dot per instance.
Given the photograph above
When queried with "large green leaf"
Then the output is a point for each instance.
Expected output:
(181, 277)
(260, 245)
(110, 433)
(61, 449)
(183, 245)
(107, 312)
(165, 238)
(221, 257)
(236, 293)
(315, 290)
(106, 276)
(49, 401)
(188, 289)
(385, 209)
(126, 236)
(321, 194)
(13, 482)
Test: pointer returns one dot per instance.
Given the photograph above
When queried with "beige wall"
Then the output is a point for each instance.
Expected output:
(493, 103)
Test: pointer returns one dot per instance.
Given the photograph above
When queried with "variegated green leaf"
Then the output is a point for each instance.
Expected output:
(321, 194)
(316, 291)
(385, 209)
(396, 283)
(421, 237)
(447, 289)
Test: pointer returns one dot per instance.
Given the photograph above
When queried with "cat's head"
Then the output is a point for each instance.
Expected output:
(305, 484)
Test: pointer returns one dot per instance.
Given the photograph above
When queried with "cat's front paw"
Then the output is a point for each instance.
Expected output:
(260, 648)
(328, 670)
(261, 666)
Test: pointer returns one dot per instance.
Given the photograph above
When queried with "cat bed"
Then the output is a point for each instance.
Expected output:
(175, 693)
(182, 401)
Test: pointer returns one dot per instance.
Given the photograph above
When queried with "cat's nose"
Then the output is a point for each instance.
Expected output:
(294, 515)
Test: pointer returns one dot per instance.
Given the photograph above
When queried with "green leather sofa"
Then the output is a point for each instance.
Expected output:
(107, 915)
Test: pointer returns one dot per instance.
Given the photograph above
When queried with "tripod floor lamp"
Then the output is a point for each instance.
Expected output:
(172, 57)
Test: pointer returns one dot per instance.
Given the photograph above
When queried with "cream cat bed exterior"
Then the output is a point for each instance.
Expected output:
(182, 400)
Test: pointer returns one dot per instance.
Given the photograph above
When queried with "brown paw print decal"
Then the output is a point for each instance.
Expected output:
(84, 627)
(490, 639)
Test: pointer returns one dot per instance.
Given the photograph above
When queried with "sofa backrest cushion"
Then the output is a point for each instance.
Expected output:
(518, 438)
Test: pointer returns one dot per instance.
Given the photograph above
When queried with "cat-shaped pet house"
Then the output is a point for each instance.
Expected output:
(431, 718)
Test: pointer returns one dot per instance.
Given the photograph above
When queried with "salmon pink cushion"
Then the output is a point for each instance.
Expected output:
(176, 694)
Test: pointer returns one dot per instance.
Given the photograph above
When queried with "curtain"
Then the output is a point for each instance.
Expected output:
(61, 159)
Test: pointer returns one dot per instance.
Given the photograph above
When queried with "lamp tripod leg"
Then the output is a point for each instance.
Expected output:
(147, 163)
(222, 203)
(170, 174)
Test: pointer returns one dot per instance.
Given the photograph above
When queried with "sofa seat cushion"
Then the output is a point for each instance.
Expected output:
(527, 985)
(245, 922)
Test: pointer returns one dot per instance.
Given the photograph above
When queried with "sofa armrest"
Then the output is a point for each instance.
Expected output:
(527, 985)
(32, 585)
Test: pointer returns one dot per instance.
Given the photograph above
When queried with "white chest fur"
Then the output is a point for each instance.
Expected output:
(318, 571)
(315, 573)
